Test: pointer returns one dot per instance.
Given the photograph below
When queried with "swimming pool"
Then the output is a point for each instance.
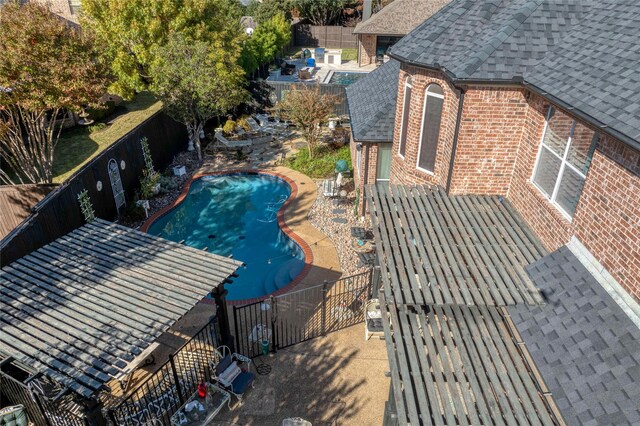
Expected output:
(345, 78)
(236, 215)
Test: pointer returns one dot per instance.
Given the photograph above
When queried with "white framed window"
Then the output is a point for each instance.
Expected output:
(563, 160)
(430, 131)
(383, 163)
(404, 124)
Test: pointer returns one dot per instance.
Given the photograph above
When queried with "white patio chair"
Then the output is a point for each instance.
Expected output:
(372, 319)
(226, 143)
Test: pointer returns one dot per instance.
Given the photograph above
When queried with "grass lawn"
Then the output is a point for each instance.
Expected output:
(78, 145)
(322, 165)
(349, 54)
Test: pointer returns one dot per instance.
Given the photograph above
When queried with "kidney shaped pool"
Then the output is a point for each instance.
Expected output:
(236, 215)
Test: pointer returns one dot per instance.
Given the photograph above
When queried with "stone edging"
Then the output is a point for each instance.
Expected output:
(308, 254)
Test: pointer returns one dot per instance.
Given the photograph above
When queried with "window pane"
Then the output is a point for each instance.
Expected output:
(583, 142)
(569, 190)
(558, 131)
(384, 162)
(430, 132)
(547, 171)
(405, 119)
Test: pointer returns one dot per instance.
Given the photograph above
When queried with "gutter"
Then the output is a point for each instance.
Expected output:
(519, 81)
(455, 141)
(365, 177)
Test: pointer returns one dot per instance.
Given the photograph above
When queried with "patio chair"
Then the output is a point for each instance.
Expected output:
(226, 143)
(372, 319)
(331, 187)
(232, 373)
(304, 74)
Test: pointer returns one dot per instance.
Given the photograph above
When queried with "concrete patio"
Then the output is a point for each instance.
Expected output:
(337, 379)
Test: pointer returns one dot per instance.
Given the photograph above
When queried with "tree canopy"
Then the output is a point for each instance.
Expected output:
(264, 10)
(196, 82)
(320, 12)
(129, 31)
(269, 38)
(46, 68)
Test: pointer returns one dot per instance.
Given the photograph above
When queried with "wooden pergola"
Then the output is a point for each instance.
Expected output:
(437, 249)
(83, 308)
(449, 266)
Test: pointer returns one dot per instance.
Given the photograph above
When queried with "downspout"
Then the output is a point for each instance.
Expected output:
(455, 140)
(365, 177)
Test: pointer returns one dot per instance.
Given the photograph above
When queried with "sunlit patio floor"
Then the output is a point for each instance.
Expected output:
(337, 379)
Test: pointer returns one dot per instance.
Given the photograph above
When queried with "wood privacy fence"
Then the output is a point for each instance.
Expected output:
(281, 88)
(59, 212)
(332, 37)
(301, 315)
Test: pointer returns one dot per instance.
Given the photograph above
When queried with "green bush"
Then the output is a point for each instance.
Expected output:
(349, 54)
(322, 165)
(229, 127)
(96, 127)
(99, 113)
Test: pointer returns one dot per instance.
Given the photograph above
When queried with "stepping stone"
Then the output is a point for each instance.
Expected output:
(339, 211)
(339, 220)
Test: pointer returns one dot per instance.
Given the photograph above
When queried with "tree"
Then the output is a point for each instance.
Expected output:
(130, 30)
(196, 82)
(264, 10)
(308, 109)
(320, 12)
(269, 38)
(46, 69)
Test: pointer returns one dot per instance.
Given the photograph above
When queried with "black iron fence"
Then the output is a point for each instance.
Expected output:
(160, 396)
(43, 409)
(301, 315)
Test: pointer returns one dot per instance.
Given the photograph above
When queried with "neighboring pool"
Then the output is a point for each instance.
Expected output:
(236, 215)
(345, 78)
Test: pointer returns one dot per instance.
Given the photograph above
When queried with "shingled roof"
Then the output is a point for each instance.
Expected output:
(399, 17)
(372, 104)
(581, 53)
(586, 348)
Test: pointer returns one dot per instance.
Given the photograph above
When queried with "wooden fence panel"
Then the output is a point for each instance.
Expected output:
(280, 89)
(59, 212)
(329, 36)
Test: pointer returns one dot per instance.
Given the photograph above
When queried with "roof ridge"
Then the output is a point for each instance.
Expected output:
(481, 55)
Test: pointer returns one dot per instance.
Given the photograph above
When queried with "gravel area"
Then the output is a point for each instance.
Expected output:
(328, 214)
(189, 159)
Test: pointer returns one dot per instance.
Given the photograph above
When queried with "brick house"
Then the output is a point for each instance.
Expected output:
(535, 103)
(382, 30)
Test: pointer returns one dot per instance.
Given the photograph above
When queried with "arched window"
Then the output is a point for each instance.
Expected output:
(116, 184)
(406, 103)
(431, 116)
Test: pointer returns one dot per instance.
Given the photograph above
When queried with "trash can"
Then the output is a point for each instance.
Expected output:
(265, 347)
(311, 63)
(342, 166)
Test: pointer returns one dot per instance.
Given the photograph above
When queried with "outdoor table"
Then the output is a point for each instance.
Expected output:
(212, 404)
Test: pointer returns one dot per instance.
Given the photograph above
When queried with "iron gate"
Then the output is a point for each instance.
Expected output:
(301, 315)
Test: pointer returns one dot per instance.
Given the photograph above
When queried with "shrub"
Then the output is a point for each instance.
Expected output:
(243, 123)
(229, 127)
(97, 127)
(168, 183)
(322, 165)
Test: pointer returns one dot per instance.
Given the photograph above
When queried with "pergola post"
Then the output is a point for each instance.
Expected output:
(219, 296)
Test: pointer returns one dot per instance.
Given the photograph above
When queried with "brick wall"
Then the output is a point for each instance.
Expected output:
(607, 221)
(488, 139)
(366, 49)
(358, 177)
(403, 170)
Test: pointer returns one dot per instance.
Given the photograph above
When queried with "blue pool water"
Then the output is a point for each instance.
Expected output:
(345, 78)
(237, 215)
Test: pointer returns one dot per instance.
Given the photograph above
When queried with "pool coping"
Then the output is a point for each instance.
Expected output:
(308, 254)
